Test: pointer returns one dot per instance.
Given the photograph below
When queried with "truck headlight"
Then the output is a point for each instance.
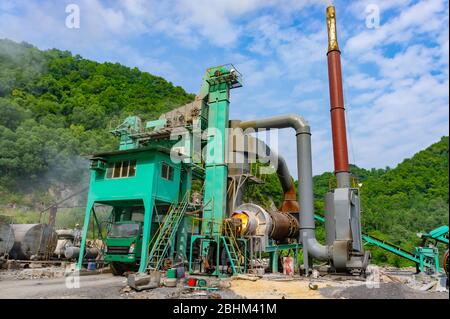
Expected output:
(131, 250)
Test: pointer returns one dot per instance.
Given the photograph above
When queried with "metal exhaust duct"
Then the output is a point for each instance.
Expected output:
(289, 203)
(305, 185)
(257, 148)
(340, 150)
(342, 205)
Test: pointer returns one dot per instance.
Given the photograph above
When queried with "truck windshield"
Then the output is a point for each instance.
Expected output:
(124, 230)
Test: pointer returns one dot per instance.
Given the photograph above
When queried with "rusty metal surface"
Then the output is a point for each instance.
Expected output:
(283, 226)
(338, 128)
(275, 225)
(290, 203)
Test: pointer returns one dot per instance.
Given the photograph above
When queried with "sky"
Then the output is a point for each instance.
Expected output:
(395, 60)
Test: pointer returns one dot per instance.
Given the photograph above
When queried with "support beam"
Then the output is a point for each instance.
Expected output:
(275, 262)
(87, 218)
(148, 214)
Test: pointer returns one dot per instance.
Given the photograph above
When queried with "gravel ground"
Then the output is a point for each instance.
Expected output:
(385, 291)
(100, 286)
(50, 283)
(91, 287)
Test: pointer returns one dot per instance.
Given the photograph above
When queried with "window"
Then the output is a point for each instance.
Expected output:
(137, 214)
(121, 169)
(167, 171)
(132, 170)
(110, 170)
(117, 167)
(123, 230)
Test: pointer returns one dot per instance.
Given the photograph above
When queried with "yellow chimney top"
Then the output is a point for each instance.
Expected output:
(331, 26)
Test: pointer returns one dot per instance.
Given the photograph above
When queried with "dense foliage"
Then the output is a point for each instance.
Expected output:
(409, 199)
(55, 106)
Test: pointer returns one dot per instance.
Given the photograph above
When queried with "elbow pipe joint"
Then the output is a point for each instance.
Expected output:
(282, 121)
(318, 250)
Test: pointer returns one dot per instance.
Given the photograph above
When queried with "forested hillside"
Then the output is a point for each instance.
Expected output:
(55, 106)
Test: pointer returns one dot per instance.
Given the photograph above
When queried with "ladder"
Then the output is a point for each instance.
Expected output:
(233, 251)
(166, 233)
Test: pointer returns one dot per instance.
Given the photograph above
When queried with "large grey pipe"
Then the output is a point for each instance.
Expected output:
(264, 152)
(304, 166)
(284, 176)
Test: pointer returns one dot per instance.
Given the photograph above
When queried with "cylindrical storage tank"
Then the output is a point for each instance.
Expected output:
(257, 221)
(73, 252)
(32, 239)
(7, 238)
(61, 246)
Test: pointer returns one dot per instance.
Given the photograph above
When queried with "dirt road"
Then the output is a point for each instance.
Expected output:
(92, 287)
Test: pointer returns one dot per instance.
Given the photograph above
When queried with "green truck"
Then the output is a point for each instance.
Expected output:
(123, 246)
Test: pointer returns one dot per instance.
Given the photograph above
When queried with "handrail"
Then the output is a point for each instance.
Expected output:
(166, 229)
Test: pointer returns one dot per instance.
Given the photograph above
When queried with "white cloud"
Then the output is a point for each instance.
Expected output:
(422, 17)
(358, 8)
(398, 94)
(401, 122)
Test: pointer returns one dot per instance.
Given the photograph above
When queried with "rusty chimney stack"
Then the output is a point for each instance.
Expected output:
(340, 151)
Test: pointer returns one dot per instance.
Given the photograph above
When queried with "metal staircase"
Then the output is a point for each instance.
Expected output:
(165, 234)
(233, 251)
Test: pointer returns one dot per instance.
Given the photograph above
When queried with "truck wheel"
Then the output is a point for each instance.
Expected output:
(117, 268)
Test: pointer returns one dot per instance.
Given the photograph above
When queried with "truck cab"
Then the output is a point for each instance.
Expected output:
(123, 246)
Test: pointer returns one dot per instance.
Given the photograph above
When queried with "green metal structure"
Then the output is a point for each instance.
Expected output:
(439, 234)
(217, 83)
(133, 179)
(148, 192)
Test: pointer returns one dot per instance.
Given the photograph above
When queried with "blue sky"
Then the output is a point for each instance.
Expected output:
(395, 75)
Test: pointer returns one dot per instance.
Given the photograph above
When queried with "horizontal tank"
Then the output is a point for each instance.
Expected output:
(73, 252)
(32, 239)
(256, 221)
(6, 238)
